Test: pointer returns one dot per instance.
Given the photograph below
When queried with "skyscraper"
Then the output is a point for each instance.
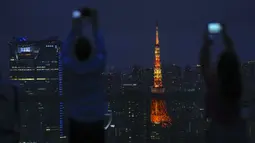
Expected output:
(248, 69)
(130, 116)
(189, 79)
(35, 65)
(172, 76)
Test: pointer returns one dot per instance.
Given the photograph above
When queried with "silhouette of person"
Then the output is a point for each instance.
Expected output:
(224, 90)
(10, 114)
(251, 111)
(83, 83)
(248, 112)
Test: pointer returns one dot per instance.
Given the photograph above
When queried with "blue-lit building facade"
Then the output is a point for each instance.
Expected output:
(36, 66)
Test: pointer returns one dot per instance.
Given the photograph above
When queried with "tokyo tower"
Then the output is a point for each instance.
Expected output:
(159, 113)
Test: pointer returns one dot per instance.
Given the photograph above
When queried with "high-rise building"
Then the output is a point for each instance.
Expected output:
(147, 79)
(172, 76)
(136, 74)
(198, 78)
(35, 65)
(112, 88)
(189, 79)
(248, 69)
(130, 116)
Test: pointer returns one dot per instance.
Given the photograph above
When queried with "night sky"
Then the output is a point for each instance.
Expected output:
(129, 26)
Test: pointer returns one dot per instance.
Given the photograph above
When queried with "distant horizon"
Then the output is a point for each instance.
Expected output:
(191, 65)
(118, 67)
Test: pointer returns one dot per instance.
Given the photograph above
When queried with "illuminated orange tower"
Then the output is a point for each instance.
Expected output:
(159, 113)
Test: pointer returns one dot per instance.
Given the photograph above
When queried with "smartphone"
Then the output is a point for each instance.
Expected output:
(214, 28)
(82, 13)
(76, 14)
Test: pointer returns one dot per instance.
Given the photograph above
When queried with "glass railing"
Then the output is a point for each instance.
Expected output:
(108, 119)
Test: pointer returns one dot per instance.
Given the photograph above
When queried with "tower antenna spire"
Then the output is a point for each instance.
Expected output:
(159, 113)
(157, 35)
(157, 63)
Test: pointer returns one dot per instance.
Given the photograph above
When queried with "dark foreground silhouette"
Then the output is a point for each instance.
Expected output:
(224, 90)
(9, 112)
(83, 67)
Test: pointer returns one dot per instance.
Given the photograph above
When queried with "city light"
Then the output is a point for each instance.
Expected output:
(163, 103)
(40, 79)
(159, 114)
(24, 50)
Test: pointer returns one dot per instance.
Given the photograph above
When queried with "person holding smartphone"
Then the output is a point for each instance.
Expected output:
(224, 90)
(83, 65)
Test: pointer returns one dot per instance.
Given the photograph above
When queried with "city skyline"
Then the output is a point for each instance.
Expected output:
(112, 67)
(168, 77)
(36, 66)
(181, 25)
(129, 96)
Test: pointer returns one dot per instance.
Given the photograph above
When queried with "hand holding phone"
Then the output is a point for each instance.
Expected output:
(214, 28)
(76, 14)
(228, 42)
(207, 40)
(82, 13)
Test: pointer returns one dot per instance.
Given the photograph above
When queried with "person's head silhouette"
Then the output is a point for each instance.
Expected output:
(83, 49)
(229, 74)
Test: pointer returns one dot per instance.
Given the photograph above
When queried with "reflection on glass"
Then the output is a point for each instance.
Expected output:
(108, 119)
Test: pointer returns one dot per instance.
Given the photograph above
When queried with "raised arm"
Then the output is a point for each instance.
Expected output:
(97, 60)
(228, 42)
(68, 45)
(99, 40)
(205, 63)
(205, 57)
